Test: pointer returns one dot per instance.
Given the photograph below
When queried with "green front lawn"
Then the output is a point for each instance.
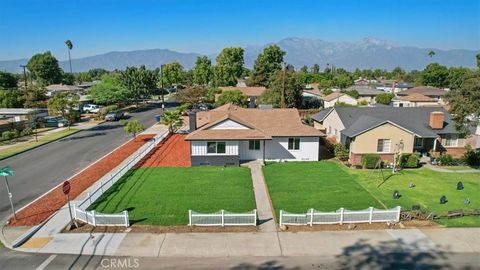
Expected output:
(326, 185)
(163, 196)
(298, 186)
(42, 139)
(429, 187)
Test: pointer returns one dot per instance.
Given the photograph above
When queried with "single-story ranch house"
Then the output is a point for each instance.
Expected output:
(389, 130)
(229, 134)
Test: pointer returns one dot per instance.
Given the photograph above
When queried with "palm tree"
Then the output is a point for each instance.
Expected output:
(431, 54)
(69, 44)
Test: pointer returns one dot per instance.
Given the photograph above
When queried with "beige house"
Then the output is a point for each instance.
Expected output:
(333, 98)
(415, 100)
(389, 130)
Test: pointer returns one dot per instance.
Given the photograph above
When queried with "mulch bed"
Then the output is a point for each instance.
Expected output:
(86, 228)
(363, 226)
(41, 209)
(171, 152)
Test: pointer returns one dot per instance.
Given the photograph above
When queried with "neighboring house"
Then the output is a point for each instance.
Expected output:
(58, 88)
(415, 100)
(390, 86)
(333, 98)
(312, 91)
(389, 130)
(252, 92)
(429, 91)
(229, 134)
(18, 116)
(367, 93)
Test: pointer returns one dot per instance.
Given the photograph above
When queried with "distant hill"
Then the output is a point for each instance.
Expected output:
(368, 53)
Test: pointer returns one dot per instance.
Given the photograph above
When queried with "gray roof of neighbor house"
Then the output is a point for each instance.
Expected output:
(414, 119)
(424, 90)
(365, 90)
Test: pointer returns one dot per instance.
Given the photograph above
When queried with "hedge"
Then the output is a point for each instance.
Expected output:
(409, 161)
(370, 161)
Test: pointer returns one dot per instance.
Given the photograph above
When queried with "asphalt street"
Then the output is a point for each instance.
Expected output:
(41, 169)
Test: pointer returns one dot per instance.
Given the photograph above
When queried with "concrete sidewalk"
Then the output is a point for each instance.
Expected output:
(331, 243)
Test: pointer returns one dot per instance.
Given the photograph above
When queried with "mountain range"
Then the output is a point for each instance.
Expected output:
(365, 54)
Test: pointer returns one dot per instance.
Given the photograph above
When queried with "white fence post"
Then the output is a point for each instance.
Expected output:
(89, 198)
(341, 215)
(223, 218)
(94, 219)
(74, 211)
(311, 217)
(189, 217)
(398, 213)
(255, 217)
(281, 217)
(126, 218)
(371, 215)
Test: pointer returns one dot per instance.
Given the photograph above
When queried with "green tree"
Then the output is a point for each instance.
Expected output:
(68, 78)
(63, 104)
(140, 81)
(431, 54)
(109, 91)
(268, 62)
(34, 97)
(229, 66)
(397, 73)
(69, 45)
(173, 119)
(133, 127)
(384, 98)
(203, 71)
(8, 80)
(97, 73)
(11, 99)
(44, 69)
(342, 80)
(82, 77)
(464, 102)
(192, 95)
(293, 90)
(353, 93)
(316, 69)
(478, 60)
(235, 97)
(433, 75)
(456, 76)
(172, 74)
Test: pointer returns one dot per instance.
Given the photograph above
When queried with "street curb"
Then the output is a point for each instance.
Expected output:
(36, 146)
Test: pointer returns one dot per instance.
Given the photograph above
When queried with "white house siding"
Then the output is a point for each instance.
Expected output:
(199, 148)
(333, 125)
(277, 149)
(228, 124)
(345, 98)
(247, 154)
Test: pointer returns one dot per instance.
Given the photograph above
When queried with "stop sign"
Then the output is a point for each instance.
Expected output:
(66, 187)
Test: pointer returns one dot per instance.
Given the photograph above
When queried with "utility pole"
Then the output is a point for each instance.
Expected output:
(161, 85)
(283, 87)
(24, 75)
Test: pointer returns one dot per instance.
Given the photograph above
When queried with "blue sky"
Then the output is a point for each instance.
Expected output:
(206, 26)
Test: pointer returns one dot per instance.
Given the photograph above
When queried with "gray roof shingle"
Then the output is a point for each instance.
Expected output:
(416, 120)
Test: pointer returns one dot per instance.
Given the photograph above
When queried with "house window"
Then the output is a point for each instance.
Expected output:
(216, 147)
(383, 145)
(451, 140)
(293, 143)
(254, 144)
(418, 142)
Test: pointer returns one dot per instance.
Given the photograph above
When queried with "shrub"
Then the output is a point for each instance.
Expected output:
(384, 98)
(446, 160)
(27, 131)
(8, 135)
(362, 102)
(370, 161)
(341, 152)
(471, 157)
(409, 161)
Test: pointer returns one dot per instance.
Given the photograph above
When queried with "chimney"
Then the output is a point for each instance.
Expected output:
(192, 121)
(251, 103)
(436, 120)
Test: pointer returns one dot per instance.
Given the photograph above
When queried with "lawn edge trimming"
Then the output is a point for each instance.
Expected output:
(74, 131)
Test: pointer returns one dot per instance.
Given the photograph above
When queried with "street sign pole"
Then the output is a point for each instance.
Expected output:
(10, 197)
(66, 191)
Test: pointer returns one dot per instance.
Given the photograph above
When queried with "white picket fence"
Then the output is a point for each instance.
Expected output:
(222, 218)
(314, 217)
(107, 181)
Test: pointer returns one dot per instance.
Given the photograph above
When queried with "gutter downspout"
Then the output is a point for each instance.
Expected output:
(264, 152)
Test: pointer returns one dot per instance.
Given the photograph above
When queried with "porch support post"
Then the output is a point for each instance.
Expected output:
(435, 144)
(263, 152)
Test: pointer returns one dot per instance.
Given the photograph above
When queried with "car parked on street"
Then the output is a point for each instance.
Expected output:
(55, 121)
(114, 116)
(91, 108)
